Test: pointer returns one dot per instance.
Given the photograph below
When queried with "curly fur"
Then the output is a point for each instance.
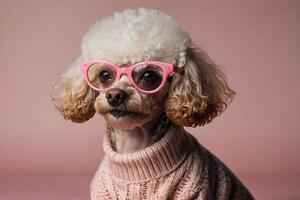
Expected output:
(73, 98)
(201, 94)
(134, 35)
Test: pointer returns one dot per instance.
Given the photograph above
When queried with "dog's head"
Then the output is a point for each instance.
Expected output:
(191, 98)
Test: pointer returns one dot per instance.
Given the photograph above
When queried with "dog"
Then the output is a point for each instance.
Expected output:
(140, 71)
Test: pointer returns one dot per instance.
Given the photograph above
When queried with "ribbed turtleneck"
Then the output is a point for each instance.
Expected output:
(175, 167)
(154, 161)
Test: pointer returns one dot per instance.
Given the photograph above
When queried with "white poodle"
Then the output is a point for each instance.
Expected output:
(139, 71)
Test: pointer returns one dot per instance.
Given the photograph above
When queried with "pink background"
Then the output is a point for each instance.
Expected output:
(43, 156)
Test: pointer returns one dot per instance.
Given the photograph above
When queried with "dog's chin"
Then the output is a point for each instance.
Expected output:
(124, 113)
(126, 120)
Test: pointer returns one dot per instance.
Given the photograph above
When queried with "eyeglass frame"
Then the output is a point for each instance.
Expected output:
(167, 69)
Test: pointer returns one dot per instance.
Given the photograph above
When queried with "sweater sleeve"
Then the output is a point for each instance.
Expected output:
(213, 180)
(219, 182)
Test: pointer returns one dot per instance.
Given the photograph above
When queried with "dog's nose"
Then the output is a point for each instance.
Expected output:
(115, 96)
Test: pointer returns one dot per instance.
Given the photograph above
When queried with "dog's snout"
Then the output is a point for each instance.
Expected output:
(115, 96)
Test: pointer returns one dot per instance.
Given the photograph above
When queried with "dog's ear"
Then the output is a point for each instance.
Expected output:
(200, 94)
(73, 98)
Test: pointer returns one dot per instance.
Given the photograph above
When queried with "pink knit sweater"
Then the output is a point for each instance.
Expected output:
(175, 167)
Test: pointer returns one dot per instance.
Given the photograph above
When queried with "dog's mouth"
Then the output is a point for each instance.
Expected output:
(123, 113)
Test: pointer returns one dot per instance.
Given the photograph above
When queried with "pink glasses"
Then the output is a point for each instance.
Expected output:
(148, 76)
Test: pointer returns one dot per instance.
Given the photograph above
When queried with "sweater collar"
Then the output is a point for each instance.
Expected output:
(154, 161)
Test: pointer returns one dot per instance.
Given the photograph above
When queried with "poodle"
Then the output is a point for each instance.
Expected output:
(140, 71)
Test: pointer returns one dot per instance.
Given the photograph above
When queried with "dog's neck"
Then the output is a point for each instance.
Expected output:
(130, 141)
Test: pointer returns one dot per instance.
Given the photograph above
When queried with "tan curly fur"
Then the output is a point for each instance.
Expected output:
(201, 94)
(74, 99)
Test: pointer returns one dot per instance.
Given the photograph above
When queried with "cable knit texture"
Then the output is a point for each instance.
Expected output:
(175, 167)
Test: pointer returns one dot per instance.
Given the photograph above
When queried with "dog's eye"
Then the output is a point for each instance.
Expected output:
(149, 80)
(147, 77)
(104, 76)
(150, 76)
